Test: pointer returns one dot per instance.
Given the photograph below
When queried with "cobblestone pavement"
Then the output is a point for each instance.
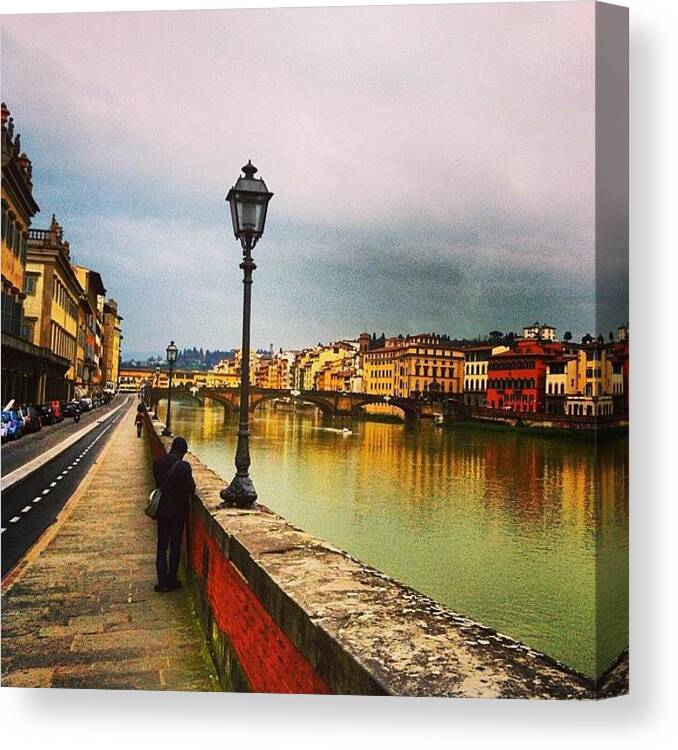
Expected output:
(19, 452)
(84, 614)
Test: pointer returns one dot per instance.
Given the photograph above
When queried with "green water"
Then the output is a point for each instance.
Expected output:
(500, 526)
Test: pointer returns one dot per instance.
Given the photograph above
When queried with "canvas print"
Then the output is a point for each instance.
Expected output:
(315, 350)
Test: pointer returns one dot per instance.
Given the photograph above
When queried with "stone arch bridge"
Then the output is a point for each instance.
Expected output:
(330, 403)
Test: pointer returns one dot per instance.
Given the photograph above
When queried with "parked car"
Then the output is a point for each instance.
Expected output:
(70, 408)
(12, 425)
(31, 419)
(86, 404)
(46, 414)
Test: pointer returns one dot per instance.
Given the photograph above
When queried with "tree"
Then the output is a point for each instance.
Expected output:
(567, 336)
(611, 336)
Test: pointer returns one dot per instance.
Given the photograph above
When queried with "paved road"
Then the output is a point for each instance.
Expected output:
(19, 452)
(33, 504)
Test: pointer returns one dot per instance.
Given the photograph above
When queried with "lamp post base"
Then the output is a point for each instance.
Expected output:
(240, 493)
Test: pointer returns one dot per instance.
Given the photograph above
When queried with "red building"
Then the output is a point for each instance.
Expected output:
(516, 380)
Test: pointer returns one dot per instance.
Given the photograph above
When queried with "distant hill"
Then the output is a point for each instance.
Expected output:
(187, 359)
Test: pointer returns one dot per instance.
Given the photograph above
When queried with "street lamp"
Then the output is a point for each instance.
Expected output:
(248, 200)
(171, 359)
(157, 386)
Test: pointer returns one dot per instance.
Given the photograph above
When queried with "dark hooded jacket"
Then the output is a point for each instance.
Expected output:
(177, 488)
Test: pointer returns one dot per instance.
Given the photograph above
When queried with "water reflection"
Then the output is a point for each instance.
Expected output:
(501, 526)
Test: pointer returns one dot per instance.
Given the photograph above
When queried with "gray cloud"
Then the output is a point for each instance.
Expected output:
(433, 166)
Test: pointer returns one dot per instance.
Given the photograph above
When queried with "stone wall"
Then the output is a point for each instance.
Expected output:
(284, 612)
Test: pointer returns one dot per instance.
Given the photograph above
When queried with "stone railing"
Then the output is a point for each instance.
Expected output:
(284, 612)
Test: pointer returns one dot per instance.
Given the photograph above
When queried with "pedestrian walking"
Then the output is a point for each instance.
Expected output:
(173, 476)
(139, 422)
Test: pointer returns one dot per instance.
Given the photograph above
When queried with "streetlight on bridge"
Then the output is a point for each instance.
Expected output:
(157, 386)
(248, 200)
(171, 359)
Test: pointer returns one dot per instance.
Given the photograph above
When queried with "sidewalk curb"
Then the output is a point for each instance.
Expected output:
(14, 575)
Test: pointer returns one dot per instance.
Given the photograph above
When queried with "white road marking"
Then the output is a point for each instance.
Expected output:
(26, 509)
(15, 519)
(2, 531)
(45, 492)
(22, 472)
(37, 499)
(61, 476)
(52, 484)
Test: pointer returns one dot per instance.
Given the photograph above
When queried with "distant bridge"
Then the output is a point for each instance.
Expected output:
(330, 403)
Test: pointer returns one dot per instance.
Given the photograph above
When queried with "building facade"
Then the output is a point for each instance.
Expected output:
(31, 373)
(112, 339)
(475, 372)
(53, 297)
(516, 379)
(539, 332)
(91, 324)
(588, 383)
(418, 366)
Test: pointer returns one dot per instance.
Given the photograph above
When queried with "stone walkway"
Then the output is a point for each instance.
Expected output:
(83, 613)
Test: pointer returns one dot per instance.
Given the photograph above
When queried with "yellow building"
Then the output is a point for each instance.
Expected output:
(112, 338)
(275, 372)
(309, 363)
(413, 366)
(588, 382)
(228, 370)
(53, 299)
(131, 379)
(91, 324)
(30, 371)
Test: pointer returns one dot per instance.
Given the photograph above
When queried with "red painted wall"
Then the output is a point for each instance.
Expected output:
(270, 661)
(516, 380)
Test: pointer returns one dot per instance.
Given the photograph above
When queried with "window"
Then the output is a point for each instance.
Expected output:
(30, 283)
(4, 221)
(9, 234)
(28, 330)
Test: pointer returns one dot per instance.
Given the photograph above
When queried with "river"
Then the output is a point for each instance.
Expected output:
(526, 534)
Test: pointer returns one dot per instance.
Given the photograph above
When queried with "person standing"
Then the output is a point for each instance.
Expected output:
(139, 422)
(174, 477)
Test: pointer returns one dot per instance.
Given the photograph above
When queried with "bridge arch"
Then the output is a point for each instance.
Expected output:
(326, 407)
(409, 410)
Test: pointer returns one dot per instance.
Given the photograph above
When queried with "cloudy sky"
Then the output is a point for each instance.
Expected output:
(433, 166)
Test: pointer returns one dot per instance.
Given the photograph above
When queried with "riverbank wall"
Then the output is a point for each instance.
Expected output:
(553, 424)
(285, 612)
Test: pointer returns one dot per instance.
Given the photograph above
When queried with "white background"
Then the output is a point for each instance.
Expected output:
(646, 718)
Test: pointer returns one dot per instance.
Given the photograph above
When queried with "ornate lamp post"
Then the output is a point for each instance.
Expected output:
(248, 199)
(157, 386)
(171, 359)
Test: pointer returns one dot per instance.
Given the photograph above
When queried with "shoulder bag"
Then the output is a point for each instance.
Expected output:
(153, 504)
